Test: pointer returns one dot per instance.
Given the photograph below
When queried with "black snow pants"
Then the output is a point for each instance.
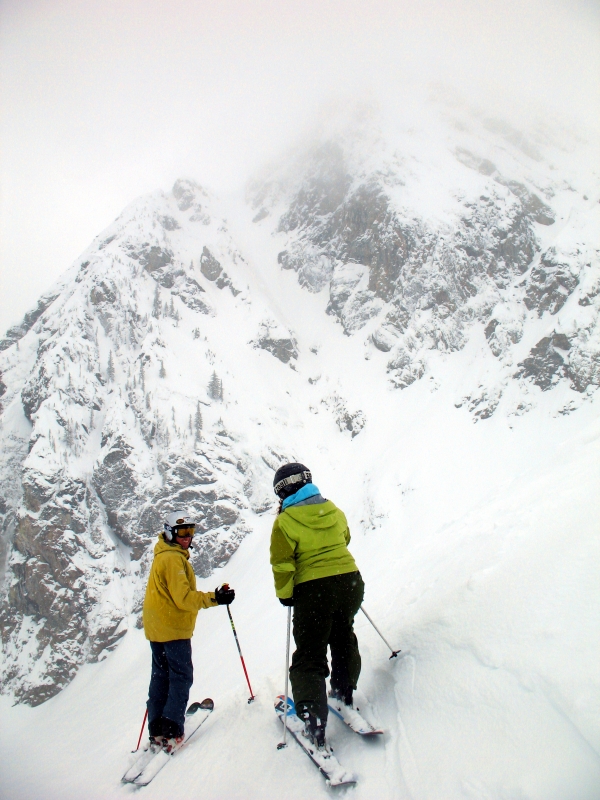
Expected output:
(324, 611)
(170, 682)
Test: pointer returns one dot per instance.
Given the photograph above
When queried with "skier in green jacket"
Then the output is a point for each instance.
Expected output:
(315, 573)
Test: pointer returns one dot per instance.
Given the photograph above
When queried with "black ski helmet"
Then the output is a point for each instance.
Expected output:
(289, 478)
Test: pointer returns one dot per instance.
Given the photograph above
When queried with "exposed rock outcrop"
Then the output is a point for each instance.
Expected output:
(273, 338)
(419, 282)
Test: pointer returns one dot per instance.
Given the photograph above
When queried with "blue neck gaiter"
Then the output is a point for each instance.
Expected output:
(308, 490)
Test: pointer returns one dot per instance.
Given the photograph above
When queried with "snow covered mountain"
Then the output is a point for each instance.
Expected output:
(419, 236)
(380, 290)
(115, 410)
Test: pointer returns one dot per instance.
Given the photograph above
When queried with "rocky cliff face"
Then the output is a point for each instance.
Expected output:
(495, 247)
(122, 393)
(105, 432)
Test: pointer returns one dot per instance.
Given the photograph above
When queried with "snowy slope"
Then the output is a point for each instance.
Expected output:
(471, 493)
(480, 554)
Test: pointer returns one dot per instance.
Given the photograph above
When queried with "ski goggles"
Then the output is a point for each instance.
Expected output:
(299, 477)
(183, 531)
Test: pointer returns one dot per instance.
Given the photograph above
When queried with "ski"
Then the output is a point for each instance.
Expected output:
(153, 758)
(144, 758)
(324, 760)
(352, 718)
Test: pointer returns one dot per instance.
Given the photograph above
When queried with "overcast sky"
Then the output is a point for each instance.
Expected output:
(103, 100)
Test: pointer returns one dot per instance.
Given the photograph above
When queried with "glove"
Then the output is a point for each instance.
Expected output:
(224, 595)
(286, 601)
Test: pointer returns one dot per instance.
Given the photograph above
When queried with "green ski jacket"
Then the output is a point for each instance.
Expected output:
(309, 542)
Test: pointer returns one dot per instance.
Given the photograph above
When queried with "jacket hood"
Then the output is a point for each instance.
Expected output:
(319, 516)
(165, 547)
(304, 493)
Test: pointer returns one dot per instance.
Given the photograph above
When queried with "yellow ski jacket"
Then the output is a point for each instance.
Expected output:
(172, 603)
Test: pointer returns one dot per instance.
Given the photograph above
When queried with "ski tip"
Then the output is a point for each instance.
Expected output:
(206, 705)
(280, 705)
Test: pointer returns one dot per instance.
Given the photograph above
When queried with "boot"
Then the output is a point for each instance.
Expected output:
(155, 732)
(314, 730)
(342, 695)
(171, 744)
(172, 735)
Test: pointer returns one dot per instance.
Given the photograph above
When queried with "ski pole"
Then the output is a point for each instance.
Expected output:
(394, 652)
(141, 732)
(283, 744)
(251, 698)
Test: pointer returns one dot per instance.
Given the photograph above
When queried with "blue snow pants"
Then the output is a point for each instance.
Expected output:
(171, 679)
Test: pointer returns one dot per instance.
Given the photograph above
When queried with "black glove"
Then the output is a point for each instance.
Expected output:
(286, 601)
(224, 595)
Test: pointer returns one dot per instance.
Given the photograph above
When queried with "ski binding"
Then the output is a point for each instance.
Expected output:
(351, 717)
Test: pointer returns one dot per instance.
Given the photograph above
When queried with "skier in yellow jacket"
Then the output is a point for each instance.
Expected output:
(171, 606)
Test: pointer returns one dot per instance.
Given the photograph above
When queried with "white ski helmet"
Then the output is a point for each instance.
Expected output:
(177, 520)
